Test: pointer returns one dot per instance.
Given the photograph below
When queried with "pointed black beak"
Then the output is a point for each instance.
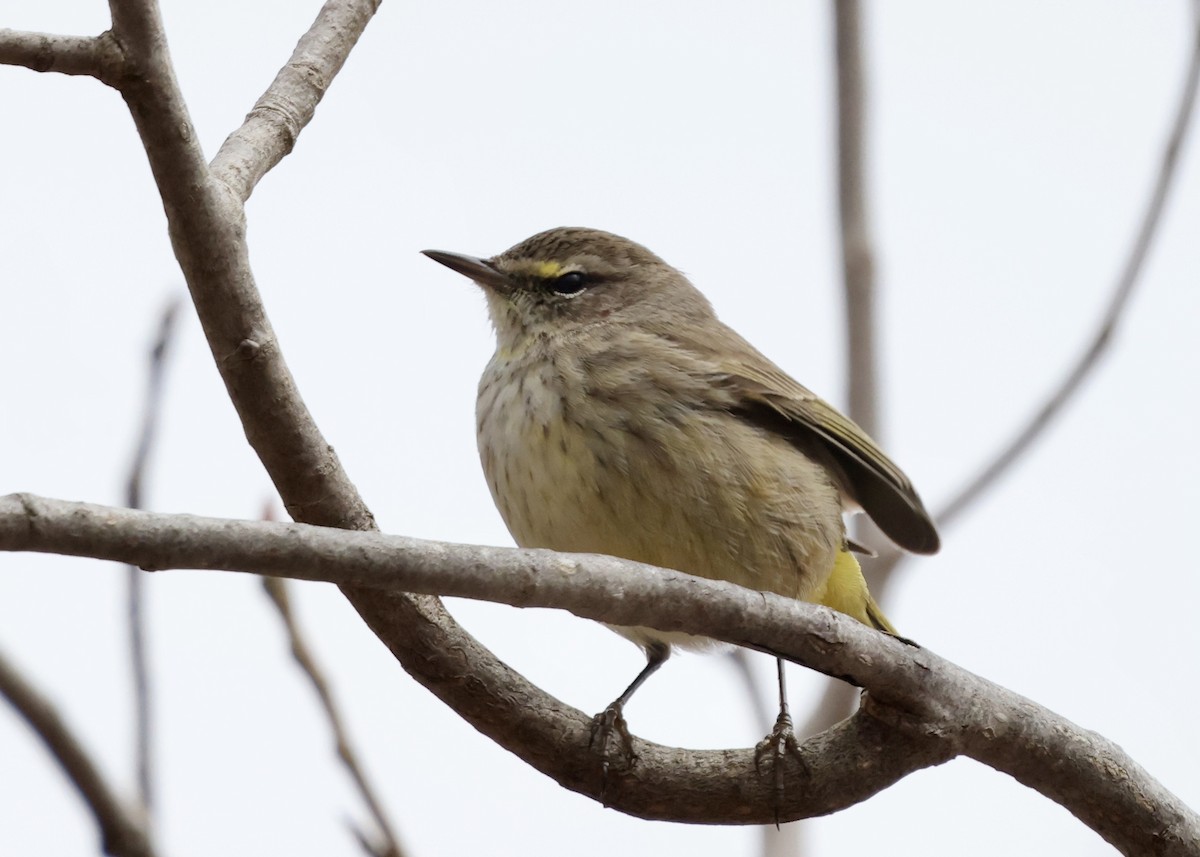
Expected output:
(479, 270)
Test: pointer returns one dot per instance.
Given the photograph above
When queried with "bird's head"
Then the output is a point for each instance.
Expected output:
(568, 278)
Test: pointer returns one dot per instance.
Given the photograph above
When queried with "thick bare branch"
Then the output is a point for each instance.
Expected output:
(207, 226)
(580, 583)
(271, 128)
(1102, 339)
(121, 832)
(389, 844)
(841, 767)
(93, 56)
(921, 709)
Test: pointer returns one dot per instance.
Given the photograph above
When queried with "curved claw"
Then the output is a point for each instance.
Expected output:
(610, 739)
(776, 747)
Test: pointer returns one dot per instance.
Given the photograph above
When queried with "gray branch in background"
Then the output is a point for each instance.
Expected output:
(122, 833)
(1102, 339)
(388, 844)
(858, 257)
(920, 709)
(837, 702)
(135, 581)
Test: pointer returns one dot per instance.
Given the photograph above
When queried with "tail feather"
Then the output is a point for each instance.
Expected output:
(877, 620)
(846, 591)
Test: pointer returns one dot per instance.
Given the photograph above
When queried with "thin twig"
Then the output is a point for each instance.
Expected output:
(121, 832)
(139, 659)
(387, 844)
(1100, 342)
(152, 406)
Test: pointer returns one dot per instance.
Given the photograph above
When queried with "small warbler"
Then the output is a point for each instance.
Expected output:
(620, 416)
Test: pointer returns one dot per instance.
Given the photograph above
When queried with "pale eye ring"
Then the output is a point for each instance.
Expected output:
(569, 284)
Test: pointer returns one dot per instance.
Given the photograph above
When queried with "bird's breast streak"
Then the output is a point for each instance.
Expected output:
(704, 493)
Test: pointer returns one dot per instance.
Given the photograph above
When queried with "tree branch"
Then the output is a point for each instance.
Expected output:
(277, 592)
(921, 709)
(207, 226)
(841, 767)
(271, 128)
(93, 56)
(121, 833)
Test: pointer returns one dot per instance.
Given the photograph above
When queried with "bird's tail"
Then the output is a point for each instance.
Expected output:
(877, 620)
(846, 591)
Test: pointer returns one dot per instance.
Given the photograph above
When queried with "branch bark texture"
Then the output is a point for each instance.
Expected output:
(920, 709)
(270, 130)
(94, 56)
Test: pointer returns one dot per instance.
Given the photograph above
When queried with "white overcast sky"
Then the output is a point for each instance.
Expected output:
(1012, 147)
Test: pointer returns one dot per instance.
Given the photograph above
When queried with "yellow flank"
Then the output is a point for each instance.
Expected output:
(846, 592)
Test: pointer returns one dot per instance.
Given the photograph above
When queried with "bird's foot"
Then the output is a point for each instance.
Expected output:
(772, 751)
(612, 742)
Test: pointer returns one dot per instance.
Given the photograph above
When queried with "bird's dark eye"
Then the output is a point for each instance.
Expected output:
(570, 283)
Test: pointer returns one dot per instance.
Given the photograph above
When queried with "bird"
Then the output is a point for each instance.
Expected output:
(620, 416)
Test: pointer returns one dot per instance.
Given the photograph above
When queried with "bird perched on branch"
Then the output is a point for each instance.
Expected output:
(620, 416)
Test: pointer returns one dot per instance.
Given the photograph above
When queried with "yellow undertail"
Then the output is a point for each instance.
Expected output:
(846, 592)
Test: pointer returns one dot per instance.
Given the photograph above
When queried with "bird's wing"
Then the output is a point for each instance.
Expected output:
(766, 396)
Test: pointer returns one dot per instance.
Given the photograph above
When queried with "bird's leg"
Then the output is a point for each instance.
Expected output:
(781, 742)
(609, 725)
